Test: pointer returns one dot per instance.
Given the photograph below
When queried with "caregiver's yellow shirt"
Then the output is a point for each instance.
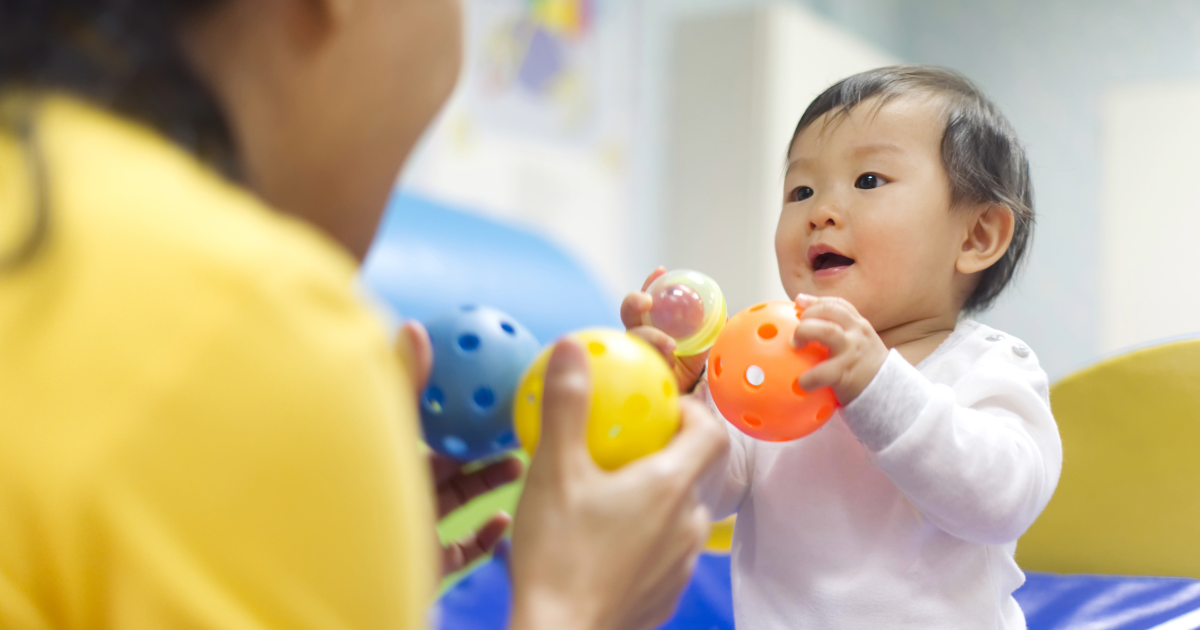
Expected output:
(201, 425)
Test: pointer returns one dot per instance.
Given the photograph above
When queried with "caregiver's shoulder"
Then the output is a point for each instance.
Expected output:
(154, 267)
(129, 187)
(200, 418)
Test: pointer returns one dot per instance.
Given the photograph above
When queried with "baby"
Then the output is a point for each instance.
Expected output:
(906, 204)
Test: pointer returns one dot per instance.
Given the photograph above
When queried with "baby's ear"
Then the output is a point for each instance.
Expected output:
(989, 230)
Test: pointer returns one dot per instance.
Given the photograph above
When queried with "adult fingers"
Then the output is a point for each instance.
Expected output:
(701, 441)
(674, 576)
(416, 352)
(443, 467)
(632, 308)
(566, 404)
(457, 490)
(461, 553)
(827, 333)
(658, 271)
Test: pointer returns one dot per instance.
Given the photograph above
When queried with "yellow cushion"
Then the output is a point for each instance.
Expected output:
(1129, 499)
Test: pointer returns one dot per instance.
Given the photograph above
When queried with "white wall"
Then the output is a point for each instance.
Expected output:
(1049, 64)
(1150, 227)
(738, 84)
(556, 162)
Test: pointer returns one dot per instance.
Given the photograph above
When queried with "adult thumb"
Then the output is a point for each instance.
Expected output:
(416, 353)
(566, 404)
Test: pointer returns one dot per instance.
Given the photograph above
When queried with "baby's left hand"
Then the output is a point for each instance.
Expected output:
(855, 350)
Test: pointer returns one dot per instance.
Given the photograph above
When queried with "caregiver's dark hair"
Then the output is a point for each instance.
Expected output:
(983, 158)
(124, 55)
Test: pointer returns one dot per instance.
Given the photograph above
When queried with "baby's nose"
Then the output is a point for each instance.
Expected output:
(824, 216)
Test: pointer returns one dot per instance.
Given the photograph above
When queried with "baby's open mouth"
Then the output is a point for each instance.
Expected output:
(830, 260)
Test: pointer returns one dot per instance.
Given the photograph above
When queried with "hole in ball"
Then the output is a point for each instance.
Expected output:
(717, 367)
(508, 328)
(467, 308)
(468, 342)
(531, 398)
(507, 440)
(755, 375)
(484, 398)
(596, 348)
(614, 431)
(433, 399)
(758, 307)
(455, 446)
(824, 413)
(636, 408)
(751, 420)
(767, 331)
(797, 390)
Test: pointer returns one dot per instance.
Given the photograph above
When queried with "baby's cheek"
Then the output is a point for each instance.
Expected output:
(793, 267)
(886, 279)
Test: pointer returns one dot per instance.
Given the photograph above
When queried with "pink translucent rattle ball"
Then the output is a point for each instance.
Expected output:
(677, 311)
(689, 307)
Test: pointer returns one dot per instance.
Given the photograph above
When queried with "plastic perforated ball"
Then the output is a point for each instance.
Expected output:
(635, 402)
(479, 354)
(688, 306)
(753, 375)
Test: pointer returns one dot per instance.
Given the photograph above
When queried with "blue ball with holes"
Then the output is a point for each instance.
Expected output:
(479, 355)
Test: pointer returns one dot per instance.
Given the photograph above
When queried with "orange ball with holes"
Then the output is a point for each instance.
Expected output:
(753, 374)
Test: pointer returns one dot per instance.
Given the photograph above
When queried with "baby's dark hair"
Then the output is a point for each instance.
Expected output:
(983, 158)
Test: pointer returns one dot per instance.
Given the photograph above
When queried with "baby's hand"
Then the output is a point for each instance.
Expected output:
(855, 350)
(687, 369)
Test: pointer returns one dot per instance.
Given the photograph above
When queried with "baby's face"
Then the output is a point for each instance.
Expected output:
(867, 216)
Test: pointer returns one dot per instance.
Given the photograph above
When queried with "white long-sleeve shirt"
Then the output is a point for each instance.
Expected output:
(903, 511)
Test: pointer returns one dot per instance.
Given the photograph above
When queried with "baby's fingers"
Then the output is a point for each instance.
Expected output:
(657, 338)
(822, 331)
(824, 374)
(658, 271)
(633, 307)
(834, 309)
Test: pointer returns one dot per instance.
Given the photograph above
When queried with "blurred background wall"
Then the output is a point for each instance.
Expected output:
(636, 133)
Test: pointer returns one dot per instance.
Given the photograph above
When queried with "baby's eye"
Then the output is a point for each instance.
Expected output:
(800, 193)
(868, 181)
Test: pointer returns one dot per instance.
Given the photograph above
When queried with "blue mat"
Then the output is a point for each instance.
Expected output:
(1101, 602)
(1050, 602)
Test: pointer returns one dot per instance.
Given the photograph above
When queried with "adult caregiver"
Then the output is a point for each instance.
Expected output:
(201, 424)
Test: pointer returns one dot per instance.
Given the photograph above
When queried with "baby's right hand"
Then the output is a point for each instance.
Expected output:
(687, 369)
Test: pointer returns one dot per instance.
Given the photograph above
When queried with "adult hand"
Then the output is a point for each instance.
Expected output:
(452, 486)
(687, 369)
(605, 550)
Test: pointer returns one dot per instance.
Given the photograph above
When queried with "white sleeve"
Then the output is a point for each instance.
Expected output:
(979, 460)
(726, 485)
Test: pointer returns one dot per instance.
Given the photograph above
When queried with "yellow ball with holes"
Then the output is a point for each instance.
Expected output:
(635, 402)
